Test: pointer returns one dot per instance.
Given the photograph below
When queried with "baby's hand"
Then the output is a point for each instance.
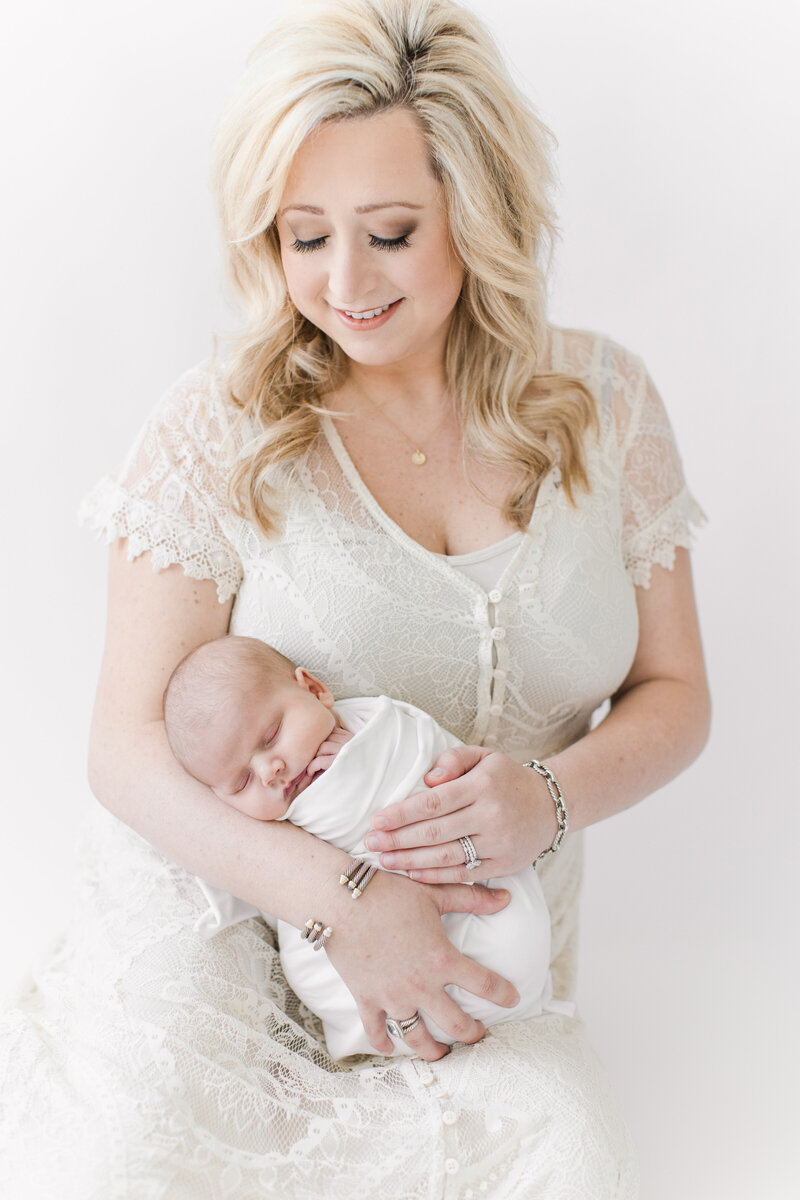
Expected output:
(328, 751)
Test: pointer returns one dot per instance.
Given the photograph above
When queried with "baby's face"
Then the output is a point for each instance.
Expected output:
(256, 754)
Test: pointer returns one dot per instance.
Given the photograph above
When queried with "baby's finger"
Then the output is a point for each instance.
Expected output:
(320, 763)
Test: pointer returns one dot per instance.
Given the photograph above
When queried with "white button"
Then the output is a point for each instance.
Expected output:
(495, 596)
(496, 710)
(449, 1117)
(490, 739)
(451, 1165)
(499, 673)
(498, 633)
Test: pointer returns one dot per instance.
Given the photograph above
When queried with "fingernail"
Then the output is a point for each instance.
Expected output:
(388, 860)
(372, 841)
(436, 773)
(498, 893)
(379, 821)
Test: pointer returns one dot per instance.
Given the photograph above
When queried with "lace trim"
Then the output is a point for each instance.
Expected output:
(655, 544)
(169, 537)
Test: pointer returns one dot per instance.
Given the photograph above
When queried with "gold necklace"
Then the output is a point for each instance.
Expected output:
(418, 456)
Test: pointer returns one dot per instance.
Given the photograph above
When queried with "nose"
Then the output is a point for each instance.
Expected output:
(266, 767)
(352, 274)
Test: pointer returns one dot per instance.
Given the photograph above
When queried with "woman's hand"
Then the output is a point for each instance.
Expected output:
(502, 806)
(393, 955)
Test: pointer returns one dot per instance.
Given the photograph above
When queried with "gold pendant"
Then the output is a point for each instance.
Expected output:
(418, 458)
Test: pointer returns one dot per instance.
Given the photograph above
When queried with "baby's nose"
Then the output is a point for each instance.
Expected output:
(267, 767)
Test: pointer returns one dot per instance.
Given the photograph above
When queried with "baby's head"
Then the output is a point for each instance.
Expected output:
(247, 722)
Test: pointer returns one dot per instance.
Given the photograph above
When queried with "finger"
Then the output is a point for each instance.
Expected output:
(320, 763)
(454, 1021)
(454, 762)
(486, 984)
(458, 897)
(419, 1039)
(374, 1022)
(331, 749)
(440, 875)
(419, 807)
(422, 1042)
(445, 829)
(422, 858)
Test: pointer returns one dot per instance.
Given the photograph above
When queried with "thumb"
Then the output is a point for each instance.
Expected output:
(469, 897)
(454, 762)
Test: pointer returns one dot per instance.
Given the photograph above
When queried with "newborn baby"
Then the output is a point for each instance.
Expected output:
(269, 739)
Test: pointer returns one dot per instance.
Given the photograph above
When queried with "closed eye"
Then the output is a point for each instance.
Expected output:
(304, 247)
(377, 243)
(398, 243)
(242, 784)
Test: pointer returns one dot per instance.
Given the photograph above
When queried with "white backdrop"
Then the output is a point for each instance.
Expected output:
(679, 200)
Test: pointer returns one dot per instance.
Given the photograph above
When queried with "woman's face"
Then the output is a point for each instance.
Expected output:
(365, 242)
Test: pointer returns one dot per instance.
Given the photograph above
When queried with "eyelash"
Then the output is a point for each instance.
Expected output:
(376, 243)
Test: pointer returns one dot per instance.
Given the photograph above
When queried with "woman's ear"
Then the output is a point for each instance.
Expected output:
(315, 686)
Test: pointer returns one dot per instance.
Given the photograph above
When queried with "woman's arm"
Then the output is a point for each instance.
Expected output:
(389, 947)
(657, 725)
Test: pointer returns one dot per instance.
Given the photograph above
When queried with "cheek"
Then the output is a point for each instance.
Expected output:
(442, 279)
(300, 276)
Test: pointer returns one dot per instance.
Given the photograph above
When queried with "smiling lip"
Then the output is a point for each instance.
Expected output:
(365, 323)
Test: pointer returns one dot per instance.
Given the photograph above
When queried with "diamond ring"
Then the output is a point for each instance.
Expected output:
(471, 860)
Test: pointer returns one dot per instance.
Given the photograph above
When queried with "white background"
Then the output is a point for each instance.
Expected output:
(679, 198)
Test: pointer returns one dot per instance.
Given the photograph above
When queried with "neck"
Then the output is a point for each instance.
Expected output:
(413, 388)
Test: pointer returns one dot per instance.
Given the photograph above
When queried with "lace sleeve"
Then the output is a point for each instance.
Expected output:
(658, 511)
(170, 496)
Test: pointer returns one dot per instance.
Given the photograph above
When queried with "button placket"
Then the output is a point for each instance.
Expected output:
(497, 687)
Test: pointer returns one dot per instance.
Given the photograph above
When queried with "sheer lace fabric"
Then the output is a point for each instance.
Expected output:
(150, 1063)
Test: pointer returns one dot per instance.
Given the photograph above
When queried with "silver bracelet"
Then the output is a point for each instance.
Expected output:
(558, 799)
(357, 876)
(316, 933)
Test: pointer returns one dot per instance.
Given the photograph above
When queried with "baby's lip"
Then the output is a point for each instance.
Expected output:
(292, 786)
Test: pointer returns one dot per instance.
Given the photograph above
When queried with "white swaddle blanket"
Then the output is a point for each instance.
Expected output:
(392, 747)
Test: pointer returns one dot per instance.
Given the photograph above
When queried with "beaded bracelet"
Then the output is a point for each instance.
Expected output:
(316, 933)
(557, 796)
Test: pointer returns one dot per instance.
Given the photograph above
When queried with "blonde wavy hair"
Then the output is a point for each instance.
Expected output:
(338, 60)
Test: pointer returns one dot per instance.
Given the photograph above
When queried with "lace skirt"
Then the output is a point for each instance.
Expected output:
(149, 1064)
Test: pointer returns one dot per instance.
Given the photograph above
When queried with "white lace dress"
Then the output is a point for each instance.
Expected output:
(151, 1064)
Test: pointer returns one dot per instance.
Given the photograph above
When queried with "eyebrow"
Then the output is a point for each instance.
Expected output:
(362, 208)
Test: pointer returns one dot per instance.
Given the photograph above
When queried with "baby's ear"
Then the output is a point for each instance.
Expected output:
(315, 686)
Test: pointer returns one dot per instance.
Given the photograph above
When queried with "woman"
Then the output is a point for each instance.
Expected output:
(408, 480)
